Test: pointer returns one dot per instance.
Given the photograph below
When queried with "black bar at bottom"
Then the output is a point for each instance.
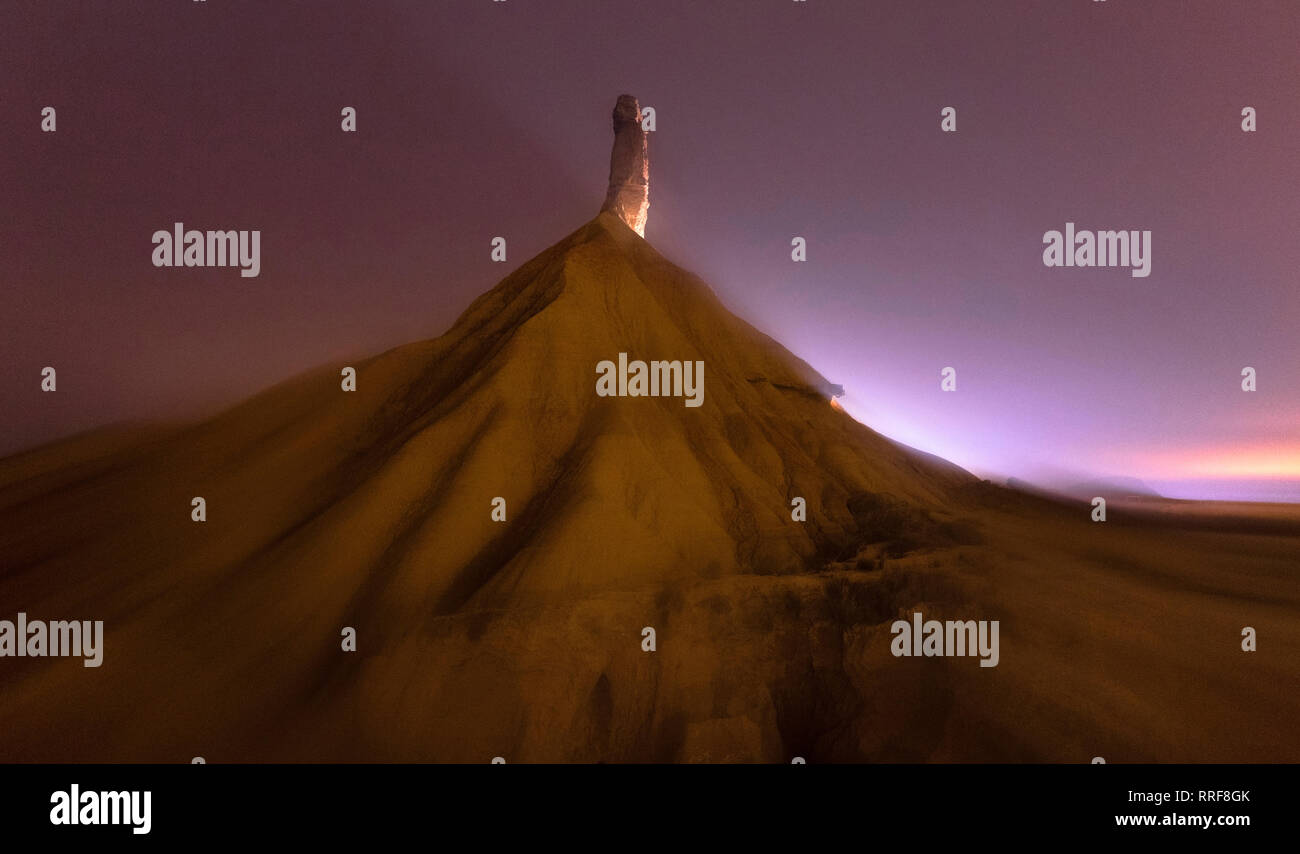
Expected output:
(624, 806)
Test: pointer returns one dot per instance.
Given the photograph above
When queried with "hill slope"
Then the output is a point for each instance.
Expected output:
(371, 509)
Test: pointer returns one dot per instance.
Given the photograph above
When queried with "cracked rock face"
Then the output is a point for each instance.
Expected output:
(629, 167)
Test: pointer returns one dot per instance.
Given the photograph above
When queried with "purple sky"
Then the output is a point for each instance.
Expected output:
(775, 119)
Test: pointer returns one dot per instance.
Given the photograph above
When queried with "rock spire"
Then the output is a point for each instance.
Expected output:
(629, 167)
